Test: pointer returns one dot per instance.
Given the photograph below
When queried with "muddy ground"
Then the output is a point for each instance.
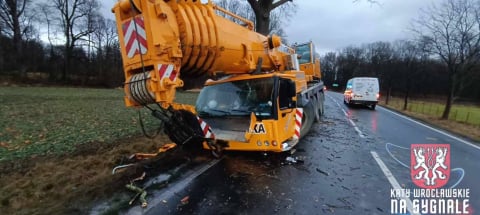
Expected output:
(74, 183)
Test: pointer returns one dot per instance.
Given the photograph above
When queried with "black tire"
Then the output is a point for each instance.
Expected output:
(321, 101)
(373, 106)
(307, 119)
(317, 110)
(321, 110)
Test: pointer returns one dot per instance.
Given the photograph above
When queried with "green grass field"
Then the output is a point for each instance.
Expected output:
(45, 120)
(460, 113)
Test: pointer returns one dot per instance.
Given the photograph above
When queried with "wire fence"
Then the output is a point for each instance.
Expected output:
(468, 114)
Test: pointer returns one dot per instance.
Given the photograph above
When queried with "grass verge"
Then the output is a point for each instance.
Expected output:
(463, 119)
(58, 147)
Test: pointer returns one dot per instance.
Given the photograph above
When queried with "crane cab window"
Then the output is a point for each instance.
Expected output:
(304, 52)
(237, 98)
(286, 91)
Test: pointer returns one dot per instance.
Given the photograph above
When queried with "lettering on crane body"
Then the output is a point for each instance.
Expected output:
(258, 128)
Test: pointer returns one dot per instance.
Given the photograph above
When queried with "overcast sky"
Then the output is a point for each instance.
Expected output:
(335, 24)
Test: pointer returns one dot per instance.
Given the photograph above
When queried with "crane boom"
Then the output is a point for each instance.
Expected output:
(167, 41)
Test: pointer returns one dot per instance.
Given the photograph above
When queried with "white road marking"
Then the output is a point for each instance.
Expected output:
(351, 122)
(434, 129)
(359, 132)
(424, 125)
(393, 181)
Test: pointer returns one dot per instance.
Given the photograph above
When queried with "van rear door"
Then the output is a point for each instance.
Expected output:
(365, 89)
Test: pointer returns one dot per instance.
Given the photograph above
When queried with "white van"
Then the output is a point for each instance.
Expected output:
(362, 90)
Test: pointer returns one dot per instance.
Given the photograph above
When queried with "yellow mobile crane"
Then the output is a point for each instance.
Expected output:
(258, 98)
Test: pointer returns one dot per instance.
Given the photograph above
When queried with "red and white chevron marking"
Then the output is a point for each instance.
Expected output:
(207, 131)
(298, 123)
(167, 71)
(135, 38)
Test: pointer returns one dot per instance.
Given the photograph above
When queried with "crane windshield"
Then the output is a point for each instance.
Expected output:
(238, 98)
(304, 52)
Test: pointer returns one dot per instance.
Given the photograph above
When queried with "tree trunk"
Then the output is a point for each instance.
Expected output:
(17, 37)
(387, 99)
(448, 106)
(408, 85)
(262, 20)
(405, 99)
(450, 94)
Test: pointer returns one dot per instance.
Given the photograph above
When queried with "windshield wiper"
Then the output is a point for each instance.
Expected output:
(208, 113)
(204, 113)
(241, 111)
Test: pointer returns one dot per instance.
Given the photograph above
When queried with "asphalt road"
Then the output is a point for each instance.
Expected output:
(347, 164)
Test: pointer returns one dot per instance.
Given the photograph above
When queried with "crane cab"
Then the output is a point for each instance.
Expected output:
(308, 59)
(251, 112)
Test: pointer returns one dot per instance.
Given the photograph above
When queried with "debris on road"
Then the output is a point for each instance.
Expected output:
(290, 159)
(323, 172)
(115, 169)
(185, 199)
(354, 168)
(141, 194)
(294, 160)
(300, 159)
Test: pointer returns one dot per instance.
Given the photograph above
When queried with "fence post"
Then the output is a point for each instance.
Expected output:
(468, 115)
(423, 106)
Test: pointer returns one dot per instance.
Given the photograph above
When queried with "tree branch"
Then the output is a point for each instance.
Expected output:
(255, 5)
(279, 3)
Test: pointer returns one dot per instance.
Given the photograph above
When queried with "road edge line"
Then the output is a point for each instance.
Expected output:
(432, 128)
(393, 181)
(360, 133)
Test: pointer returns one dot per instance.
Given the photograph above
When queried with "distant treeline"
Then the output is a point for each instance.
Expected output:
(41, 63)
(79, 46)
(401, 68)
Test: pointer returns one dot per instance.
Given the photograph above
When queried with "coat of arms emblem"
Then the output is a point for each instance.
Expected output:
(430, 165)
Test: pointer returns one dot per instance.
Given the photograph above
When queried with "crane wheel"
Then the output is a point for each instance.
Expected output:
(316, 105)
(321, 109)
(307, 118)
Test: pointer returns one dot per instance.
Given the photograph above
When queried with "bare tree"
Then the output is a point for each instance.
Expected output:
(350, 62)
(263, 9)
(451, 31)
(277, 17)
(74, 16)
(329, 64)
(408, 54)
(105, 42)
(14, 22)
(379, 59)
